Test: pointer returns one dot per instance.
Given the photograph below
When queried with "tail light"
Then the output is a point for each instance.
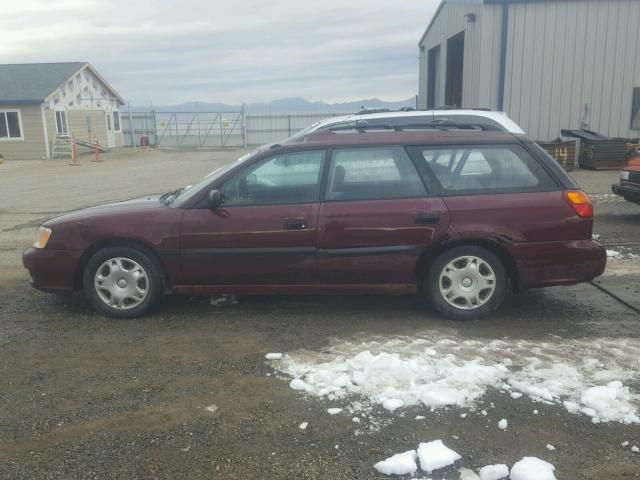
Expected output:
(580, 202)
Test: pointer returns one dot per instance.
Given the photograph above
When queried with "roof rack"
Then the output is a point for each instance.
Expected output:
(367, 111)
(444, 124)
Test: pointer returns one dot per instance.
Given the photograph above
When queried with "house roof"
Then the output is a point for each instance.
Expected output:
(34, 82)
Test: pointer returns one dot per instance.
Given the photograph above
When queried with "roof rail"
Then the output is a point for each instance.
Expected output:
(367, 111)
(444, 124)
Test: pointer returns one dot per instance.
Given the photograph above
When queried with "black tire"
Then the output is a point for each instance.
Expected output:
(432, 289)
(153, 282)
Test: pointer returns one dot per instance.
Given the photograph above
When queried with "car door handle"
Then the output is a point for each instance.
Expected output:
(295, 224)
(428, 218)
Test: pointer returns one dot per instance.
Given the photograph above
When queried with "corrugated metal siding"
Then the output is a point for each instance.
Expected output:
(572, 63)
(450, 22)
(33, 145)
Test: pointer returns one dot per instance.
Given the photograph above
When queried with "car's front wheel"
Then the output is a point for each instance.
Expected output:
(466, 283)
(122, 282)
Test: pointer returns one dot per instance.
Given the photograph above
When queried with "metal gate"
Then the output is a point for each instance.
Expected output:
(200, 129)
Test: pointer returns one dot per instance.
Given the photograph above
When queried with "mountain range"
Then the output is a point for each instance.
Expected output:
(293, 104)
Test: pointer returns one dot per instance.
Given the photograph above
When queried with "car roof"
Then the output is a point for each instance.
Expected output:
(500, 118)
(328, 138)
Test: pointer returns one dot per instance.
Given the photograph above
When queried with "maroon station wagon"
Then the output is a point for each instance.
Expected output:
(459, 213)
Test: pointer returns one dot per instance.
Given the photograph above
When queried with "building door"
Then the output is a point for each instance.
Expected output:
(455, 68)
(62, 127)
(111, 138)
(433, 76)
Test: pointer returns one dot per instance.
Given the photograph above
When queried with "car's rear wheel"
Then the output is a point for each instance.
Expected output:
(466, 283)
(122, 282)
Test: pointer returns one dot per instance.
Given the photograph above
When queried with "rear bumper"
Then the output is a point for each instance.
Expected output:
(629, 192)
(545, 264)
(51, 270)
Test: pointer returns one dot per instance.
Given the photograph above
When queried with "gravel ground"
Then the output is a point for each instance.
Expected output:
(83, 397)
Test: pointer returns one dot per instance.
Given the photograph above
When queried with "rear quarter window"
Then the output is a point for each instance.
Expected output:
(485, 169)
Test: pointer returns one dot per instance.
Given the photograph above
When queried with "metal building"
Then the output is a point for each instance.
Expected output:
(550, 64)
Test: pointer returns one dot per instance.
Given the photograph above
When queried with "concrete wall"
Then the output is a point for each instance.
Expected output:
(570, 63)
(32, 146)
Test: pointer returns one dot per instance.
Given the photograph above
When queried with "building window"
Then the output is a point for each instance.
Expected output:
(116, 121)
(78, 100)
(10, 125)
(635, 109)
(70, 83)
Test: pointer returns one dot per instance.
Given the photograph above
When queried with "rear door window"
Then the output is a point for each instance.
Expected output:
(486, 169)
(373, 173)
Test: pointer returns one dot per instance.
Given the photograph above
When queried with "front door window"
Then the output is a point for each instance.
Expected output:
(285, 179)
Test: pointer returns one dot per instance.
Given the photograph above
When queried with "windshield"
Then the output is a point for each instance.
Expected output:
(187, 192)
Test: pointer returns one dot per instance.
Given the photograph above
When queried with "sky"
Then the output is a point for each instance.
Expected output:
(167, 52)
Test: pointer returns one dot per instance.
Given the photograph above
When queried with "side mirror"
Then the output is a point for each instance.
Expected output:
(214, 199)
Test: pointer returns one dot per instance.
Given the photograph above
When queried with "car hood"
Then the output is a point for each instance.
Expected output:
(127, 206)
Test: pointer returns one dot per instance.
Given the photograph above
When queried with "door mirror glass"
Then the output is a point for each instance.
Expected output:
(214, 199)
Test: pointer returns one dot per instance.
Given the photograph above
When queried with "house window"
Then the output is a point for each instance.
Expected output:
(62, 128)
(116, 121)
(10, 125)
(635, 109)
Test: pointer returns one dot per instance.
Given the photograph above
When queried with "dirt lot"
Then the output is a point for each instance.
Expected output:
(84, 397)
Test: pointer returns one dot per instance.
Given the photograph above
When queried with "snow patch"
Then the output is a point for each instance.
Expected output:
(532, 468)
(550, 447)
(334, 411)
(273, 356)
(398, 464)
(303, 425)
(584, 376)
(435, 455)
(392, 404)
(502, 424)
(494, 472)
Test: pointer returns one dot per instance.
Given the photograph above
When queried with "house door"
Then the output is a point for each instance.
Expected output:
(62, 127)
(111, 139)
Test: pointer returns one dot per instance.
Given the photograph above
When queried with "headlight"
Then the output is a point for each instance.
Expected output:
(43, 234)
(624, 175)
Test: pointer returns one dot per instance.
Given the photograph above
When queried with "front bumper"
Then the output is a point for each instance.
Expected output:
(628, 191)
(51, 270)
(545, 264)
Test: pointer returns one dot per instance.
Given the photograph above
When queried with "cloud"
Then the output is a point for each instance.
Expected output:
(173, 51)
